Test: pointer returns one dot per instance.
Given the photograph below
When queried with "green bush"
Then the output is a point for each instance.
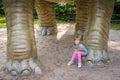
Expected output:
(65, 12)
(1, 8)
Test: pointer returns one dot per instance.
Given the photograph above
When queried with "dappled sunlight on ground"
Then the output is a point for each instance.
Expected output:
(114, 45)
(62, 30)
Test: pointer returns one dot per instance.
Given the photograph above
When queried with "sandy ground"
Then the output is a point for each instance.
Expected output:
(55, 52)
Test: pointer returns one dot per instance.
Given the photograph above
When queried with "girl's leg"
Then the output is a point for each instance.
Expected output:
(73, 56)
(79, 53)
(72, 59)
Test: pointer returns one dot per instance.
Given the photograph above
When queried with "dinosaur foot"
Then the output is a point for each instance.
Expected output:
(24, 67)
(96, 57)
(45, 31)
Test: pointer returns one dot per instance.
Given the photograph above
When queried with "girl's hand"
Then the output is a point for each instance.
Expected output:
(76, 49)
(80, 49)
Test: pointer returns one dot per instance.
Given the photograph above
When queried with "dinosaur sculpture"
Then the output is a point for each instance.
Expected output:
(92, 23)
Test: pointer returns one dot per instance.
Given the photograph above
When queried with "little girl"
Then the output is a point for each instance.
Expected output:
(79, 50)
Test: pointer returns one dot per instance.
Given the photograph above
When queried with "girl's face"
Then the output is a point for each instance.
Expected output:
(77, 41)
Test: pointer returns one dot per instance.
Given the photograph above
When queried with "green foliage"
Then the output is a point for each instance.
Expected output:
(64, 7)
(117, 0)
(35, 14)
(1, 8)
(65, 12)
(115, 16)
(116, 12)
(117, 7)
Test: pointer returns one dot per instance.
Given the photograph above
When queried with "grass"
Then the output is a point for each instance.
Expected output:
(2, 22)
(36, 21)
(114, 26)
(58, 21)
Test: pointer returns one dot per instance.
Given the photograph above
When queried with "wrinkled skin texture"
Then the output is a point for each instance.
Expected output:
(92, 25)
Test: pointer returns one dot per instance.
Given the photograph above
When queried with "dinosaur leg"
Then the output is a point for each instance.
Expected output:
(82, 7)
(21, 47)
(47, 17)
(96, 38)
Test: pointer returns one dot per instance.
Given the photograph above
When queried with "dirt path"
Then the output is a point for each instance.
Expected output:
(55, 52)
